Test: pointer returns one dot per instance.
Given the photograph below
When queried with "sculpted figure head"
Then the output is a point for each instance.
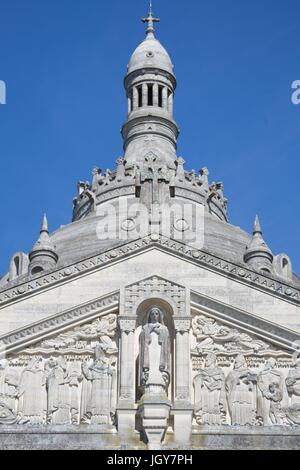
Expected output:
(34, 363)
(211, 360)
(155, 315)
(99, 354)
(240, 362)
(271, 363)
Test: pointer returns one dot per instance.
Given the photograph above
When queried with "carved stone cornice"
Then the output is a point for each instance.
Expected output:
(182, 324)
(18, 338)
(236, 271)
(127, 324)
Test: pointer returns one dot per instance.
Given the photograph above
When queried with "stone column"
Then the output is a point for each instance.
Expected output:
(155, 94)
(170, 104)
(165, 98)
(135, 98)
(126, 403)
(182, 410)
(129, 104)
(145, 95)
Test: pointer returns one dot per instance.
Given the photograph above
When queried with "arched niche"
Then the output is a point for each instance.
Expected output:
(142, 311)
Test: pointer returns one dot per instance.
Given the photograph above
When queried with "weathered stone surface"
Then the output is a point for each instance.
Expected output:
(150, 321)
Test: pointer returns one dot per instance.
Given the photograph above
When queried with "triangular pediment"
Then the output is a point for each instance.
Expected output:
(266, 336)
(199, 257)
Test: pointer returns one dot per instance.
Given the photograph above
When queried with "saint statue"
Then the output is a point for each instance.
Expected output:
(270, 385)
(210, 395)
(57, 385)
(32, 393)
(241, 394)
(155, 351)
(8, 394)
(293, 388)
(96, 402)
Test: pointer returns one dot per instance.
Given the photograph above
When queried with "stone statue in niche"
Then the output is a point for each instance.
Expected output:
(155, 351)
(57, 384)
(8, 395)
(32, 394)
(96, 400)
(270, 384)
(241, 390)
(210, 394)
(293, 388)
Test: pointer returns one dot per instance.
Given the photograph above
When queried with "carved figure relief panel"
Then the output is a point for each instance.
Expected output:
(70, 379)
(241, 380)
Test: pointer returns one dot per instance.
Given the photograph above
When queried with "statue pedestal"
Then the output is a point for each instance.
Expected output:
(126, 423)
(183, 417)
(154, 409)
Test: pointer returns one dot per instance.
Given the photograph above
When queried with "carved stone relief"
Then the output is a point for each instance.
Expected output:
(210, 396)
(240, 380)
(293, 387)
(213, 336)
(69, 379)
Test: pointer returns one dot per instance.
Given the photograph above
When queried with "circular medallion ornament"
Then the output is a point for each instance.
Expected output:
(150, 54)
(154, 237)
(181, 225)
(128, 225)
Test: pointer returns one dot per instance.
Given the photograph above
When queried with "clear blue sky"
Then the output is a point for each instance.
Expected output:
(63, 62)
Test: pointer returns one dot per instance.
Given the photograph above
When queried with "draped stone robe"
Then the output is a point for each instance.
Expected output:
(210, 397)
(58, 396)
(96, 403)
(270, 384)
(242, 397)
(151, 333)
(33, 397)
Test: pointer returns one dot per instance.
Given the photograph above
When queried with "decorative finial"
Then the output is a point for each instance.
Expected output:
(257, 226)
(44, 226)
(150, 20)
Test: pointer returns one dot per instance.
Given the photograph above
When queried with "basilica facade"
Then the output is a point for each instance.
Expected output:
(150, 322)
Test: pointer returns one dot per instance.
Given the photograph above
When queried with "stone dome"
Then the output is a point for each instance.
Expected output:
(150, 54)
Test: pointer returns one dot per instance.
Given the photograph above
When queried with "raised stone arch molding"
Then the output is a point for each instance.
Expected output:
(155, 287)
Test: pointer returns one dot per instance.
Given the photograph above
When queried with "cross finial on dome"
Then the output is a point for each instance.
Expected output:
(150, 20)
